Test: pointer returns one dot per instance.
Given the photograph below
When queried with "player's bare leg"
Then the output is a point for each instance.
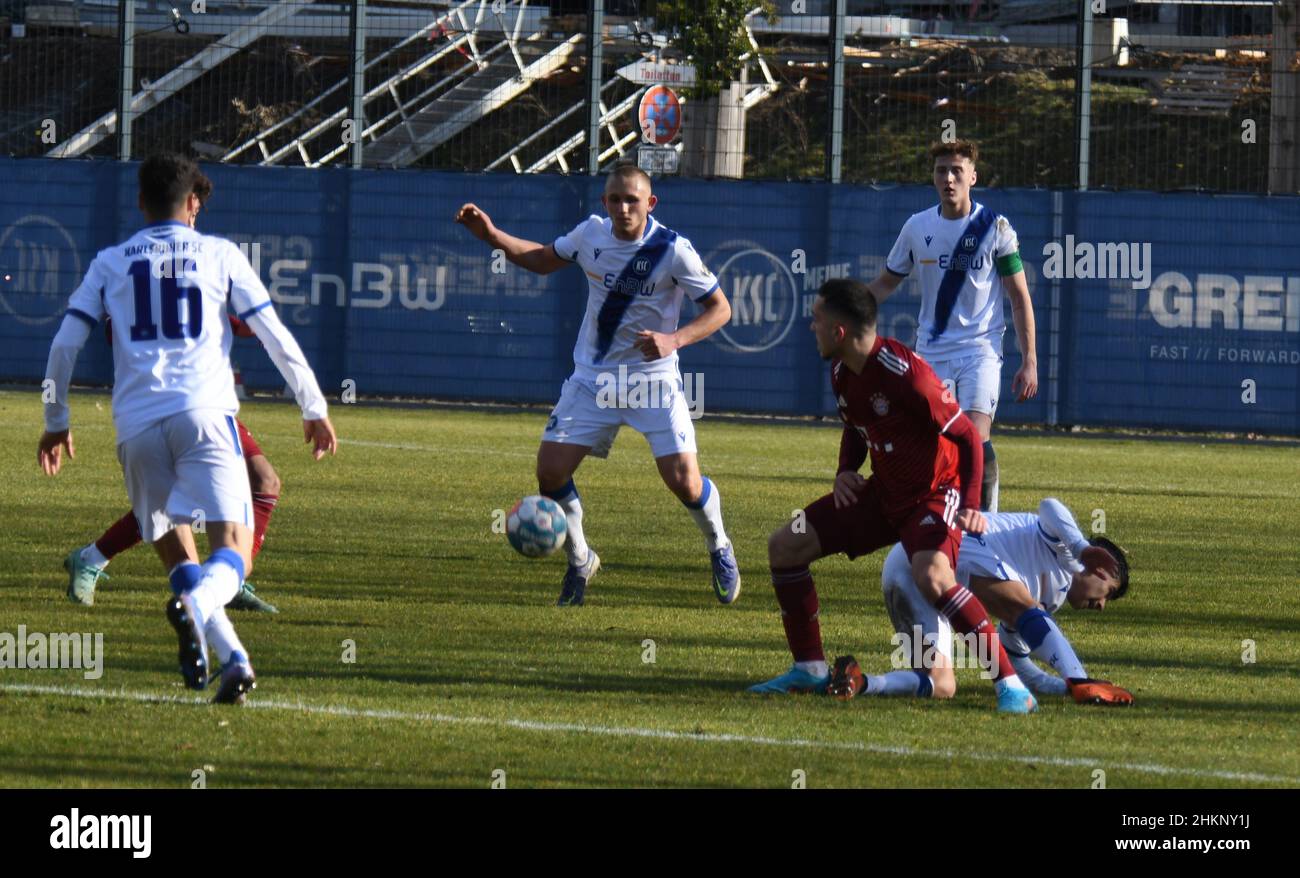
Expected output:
(556, 464)
(197, 611)
(790, 549)
(700, 496)
(934, 577)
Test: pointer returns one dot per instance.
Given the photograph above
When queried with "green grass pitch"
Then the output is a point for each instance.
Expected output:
(463, 668)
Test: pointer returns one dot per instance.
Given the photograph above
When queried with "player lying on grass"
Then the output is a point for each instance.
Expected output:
(924, 490)
(637, 272)
(86, 565)
(1023, 568)
(174, 405)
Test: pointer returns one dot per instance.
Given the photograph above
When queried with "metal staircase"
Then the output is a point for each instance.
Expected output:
(505, 49)
(622, 114)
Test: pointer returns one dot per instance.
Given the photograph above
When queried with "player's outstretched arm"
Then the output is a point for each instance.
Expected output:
(538, 258)
(715, 311)
(1025, 382)
(57, 438)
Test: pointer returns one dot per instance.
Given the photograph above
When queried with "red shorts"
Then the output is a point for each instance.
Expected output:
(864, 527)
(247, 442)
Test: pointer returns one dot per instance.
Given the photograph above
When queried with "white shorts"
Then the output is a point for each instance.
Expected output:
(976, 380)
(654, 405)
(909, 612)
(186, 468)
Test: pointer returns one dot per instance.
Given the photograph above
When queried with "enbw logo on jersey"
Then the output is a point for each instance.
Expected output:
(963, 262)
(762, 293)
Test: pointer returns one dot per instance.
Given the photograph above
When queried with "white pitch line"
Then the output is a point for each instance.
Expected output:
(659, 734)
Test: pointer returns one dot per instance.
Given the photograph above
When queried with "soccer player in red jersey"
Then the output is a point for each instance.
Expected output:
(924, 490)
(86, 565)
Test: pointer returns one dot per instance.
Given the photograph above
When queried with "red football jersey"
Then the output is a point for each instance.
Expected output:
(896, 410)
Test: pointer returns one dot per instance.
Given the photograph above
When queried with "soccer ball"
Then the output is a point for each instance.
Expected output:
(536, 526)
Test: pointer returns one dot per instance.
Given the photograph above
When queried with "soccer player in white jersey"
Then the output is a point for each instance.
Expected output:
(1023, 568)
(957, 246)
(638, 271)
(166, 289)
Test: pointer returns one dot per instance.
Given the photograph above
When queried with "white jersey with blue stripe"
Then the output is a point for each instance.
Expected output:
(166, 290)
(961, 299)
(632, 286)
(1040, 551)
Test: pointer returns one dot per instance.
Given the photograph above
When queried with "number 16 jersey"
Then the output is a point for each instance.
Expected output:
(166, 290)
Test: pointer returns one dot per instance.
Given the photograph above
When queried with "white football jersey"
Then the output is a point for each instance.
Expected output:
(1040, 551)
(961, 292)
(166, 290)
(632, 285)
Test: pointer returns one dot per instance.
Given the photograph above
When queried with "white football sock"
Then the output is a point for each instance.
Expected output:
(222, 637)
(817, 669)
(575, 544)
(707, 512)
(95, 558)
(218, 585)
(1011, 681)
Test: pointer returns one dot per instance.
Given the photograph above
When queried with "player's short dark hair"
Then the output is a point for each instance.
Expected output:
(167, 179)
(966, 148)
(625, 169)
(850, 300)
(1103, 543)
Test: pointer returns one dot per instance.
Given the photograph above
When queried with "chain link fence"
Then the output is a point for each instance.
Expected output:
(1107, 94)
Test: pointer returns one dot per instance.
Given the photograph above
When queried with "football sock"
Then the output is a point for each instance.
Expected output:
(989, 488)
(1048, 644)
(797, 596)
(221, 634)
(575, 544)
(899, 683)
(817, 669)
(120, 536)
(94, 557)
(967, 616)
(222, 575)
(1038, 680)
(263, 506)
(184, 576)
(707, 512)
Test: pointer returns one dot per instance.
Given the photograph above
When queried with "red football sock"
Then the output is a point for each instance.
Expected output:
(263, 506)
(120, 536)
(797, 596)
(966, 614)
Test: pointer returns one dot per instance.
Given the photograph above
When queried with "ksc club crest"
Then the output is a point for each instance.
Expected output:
(762, 292)
(39, 267)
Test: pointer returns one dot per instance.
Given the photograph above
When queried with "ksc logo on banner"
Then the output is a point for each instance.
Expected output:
(762, 292)
(39, 268)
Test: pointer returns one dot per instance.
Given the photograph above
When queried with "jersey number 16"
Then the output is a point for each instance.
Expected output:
(170, 295)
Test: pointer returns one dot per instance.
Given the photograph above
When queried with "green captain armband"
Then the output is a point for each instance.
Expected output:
(1010, 264)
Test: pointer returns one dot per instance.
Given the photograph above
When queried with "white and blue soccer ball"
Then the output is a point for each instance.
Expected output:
(536, 526)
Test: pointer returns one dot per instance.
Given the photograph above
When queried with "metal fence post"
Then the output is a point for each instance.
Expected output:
(357, 80)
(125, 76)
(835, 97)
(595, 65)
(1083, 95)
